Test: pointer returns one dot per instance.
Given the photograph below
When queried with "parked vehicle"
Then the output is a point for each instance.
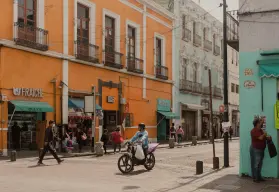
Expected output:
(128, 160)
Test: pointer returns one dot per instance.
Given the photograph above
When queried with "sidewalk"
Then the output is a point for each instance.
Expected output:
(29, 154)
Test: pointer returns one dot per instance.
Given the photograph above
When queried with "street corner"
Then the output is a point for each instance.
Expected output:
(233, 182)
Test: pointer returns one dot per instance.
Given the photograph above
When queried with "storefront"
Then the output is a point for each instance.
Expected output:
(164, 119)
(258, 95)
(26, 118)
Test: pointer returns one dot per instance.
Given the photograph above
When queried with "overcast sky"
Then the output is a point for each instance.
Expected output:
(212, 4)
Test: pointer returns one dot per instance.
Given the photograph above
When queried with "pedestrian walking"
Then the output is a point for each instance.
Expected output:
(116, 139)
(105, 139)
(172, 132)
(16, 136)
(231, 132)
(180, 134)
(81, 137)
(48, 146)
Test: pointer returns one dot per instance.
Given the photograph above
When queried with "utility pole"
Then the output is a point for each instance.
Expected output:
(226, 102)
(215, 159)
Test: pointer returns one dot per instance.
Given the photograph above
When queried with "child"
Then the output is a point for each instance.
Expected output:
(116, 139)
(105, 139)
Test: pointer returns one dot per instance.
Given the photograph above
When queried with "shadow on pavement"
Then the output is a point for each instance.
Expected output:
(138, 172)
(130, 187)
(37, 166)
(235, 183)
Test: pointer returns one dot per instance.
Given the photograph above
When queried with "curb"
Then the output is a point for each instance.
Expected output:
(124, 150)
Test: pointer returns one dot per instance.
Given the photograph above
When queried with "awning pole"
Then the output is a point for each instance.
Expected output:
(11, 118)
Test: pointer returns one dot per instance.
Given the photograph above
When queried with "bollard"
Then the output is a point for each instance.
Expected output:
(13, 155)
(215, 162)
(171, 143)
(199, 167)
(99, 149)
(194, 140)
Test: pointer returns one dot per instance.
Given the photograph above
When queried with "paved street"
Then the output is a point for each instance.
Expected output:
(174, 171)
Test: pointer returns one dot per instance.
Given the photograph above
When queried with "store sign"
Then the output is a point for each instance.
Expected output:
(28, 92)
(89, 104)
(249, 84)
(248, 72)
(110, 99)
(163, 105)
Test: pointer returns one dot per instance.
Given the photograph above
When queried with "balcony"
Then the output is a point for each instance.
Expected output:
(207, 45)
(233, 32)
(217, 92)
(113, 59)
(206, 91)
(161, 72)
(189, 86)
(197, 40)
(135, 65)
(187, 35)
(32, 37)
(86, 51)
(217, 50)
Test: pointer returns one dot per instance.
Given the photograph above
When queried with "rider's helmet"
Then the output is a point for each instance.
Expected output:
(141, 127)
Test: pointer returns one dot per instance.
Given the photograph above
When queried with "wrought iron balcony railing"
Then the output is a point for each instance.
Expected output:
(86, 51)
(30, 36)
(135, 65)
(217, 92)
(207, 45)
(189, 86)
(187, 34)
(217, 50)
(161, 72)
(233, 32)
(113, 59)
(197, 40)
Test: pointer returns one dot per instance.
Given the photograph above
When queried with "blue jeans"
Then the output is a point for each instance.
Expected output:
(257, 156)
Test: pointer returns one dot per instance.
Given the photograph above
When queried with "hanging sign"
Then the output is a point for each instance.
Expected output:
(89, 104)
(28, 92)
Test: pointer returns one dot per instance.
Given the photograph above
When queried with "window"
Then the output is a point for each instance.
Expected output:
(184, 69)
(131, 42)
(232, 87)
(158, 51)
(27, 12)
(83, 29)
(187, 36)
(236, 58)
(195, 73)
(214, 41)
(109, 38)
(27, 19)
(237, 88)
(232, 56)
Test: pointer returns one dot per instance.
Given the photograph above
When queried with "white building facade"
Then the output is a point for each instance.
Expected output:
(199, 38)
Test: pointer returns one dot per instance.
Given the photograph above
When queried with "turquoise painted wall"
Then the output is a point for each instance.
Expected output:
(250, 105)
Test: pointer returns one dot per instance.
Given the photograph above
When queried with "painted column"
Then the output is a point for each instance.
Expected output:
(65, 66)
(4, 128)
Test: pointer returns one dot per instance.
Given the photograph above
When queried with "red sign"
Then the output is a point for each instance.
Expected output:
(221, 108)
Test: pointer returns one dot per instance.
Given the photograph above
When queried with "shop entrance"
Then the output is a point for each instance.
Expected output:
(189, 125)
(22, 130)
(111, 120)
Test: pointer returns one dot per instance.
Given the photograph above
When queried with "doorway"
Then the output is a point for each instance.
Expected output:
(189, 125)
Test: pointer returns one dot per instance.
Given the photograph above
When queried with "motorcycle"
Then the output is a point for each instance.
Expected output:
(128, 160)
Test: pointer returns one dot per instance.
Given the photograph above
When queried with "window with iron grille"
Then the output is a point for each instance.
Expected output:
(129, 120)
(184, 69)
(195, 73)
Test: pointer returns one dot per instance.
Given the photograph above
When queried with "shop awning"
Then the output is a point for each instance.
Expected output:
(169, 115)
(269, 68)
(77, 103)
(31, 106)
(193, 106)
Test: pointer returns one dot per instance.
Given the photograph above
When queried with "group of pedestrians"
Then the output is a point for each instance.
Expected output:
(177, 134)
(115, 138)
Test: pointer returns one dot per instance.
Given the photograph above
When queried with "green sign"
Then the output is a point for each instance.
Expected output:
(163, 105)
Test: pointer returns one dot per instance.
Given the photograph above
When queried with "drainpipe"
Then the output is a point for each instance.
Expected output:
(54, 98)
(2, 104)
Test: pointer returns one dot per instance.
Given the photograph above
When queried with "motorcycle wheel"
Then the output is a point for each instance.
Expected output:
(125, 164)
(150, 161)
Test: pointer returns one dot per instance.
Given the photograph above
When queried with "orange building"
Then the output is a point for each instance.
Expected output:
(53, 53)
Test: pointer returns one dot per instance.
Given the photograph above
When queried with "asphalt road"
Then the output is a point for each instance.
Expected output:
(174, 171)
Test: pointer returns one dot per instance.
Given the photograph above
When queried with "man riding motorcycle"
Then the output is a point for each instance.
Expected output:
(142, 136)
